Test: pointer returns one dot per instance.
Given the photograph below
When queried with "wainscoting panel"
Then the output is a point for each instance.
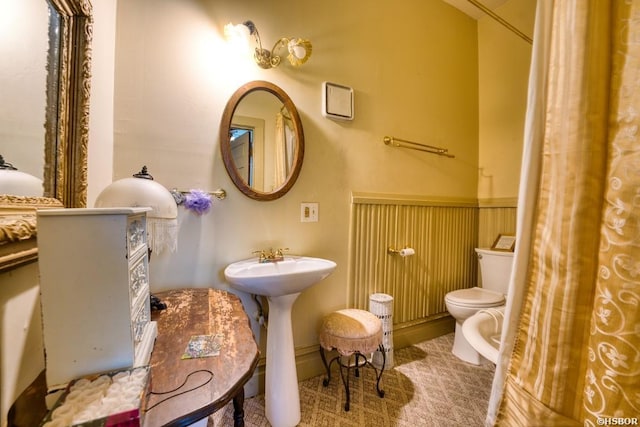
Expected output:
(443, 233)
(496, 217)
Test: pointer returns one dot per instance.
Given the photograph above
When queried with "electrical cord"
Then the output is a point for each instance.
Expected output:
(159, 393)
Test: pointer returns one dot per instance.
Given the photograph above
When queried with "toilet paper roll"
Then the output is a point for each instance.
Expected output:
(407, 252)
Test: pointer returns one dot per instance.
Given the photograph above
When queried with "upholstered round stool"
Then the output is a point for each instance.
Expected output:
(352, 333)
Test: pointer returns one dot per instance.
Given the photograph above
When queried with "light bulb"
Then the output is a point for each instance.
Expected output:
(299, 51)
(239, 32)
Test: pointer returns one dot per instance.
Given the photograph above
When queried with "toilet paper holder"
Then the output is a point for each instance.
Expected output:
(406, 251)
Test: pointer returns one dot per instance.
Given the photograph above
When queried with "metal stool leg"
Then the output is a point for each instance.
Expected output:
(378, 372)
(325, 382)
(327, 367)
(347, 367)
(357, 365)
(346, 381)
(384, 361)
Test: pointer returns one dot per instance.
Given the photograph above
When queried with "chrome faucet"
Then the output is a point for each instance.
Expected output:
(271, 255)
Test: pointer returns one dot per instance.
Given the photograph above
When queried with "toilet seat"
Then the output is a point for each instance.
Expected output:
(475, 297)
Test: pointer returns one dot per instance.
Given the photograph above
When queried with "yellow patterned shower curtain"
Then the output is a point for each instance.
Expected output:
(571, 347)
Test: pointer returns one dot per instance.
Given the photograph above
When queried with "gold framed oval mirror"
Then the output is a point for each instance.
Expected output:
(65, 95)
(261, 140)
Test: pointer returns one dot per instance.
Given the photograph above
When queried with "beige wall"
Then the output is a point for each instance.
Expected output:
(503, 73)
(415, 74)
(100, 156)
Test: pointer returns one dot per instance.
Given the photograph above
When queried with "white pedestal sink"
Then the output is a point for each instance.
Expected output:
(281, 282)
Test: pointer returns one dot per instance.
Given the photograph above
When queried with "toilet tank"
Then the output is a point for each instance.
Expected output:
(495, 269)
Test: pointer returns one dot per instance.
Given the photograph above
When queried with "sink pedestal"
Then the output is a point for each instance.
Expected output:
(281, 282)
(282, 397)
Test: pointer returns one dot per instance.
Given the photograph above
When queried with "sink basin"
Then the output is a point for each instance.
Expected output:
(292, 275)
(281, 282)
(483, 331)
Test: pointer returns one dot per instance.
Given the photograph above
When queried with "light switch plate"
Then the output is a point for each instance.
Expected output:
(308, 212)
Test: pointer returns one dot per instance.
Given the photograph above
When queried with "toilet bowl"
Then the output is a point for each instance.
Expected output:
(495, 269)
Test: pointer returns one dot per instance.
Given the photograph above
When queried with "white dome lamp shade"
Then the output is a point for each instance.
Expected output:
(142, 191)
(17, 183)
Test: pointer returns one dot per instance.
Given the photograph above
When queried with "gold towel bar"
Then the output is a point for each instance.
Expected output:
(397, 142)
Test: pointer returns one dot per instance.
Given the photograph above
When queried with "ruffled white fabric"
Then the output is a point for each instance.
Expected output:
(163, 234)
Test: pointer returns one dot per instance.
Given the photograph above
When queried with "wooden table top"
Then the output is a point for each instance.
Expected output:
(189, 312)
(199, 312)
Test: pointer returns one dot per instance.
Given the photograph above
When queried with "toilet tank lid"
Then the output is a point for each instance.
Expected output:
(476, 296)
(488, 251)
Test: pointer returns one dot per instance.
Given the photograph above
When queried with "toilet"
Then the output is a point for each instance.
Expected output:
(495, 270)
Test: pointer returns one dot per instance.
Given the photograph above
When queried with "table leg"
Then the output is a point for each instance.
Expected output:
(238, 408)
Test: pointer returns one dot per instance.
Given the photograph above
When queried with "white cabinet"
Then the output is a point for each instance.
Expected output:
(94, 284)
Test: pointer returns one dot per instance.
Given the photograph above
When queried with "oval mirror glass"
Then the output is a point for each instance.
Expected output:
(261, 140)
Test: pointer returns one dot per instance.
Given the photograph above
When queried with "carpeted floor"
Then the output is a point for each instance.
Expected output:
(428, 386)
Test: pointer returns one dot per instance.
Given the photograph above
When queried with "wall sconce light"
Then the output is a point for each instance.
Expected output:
(299, 49)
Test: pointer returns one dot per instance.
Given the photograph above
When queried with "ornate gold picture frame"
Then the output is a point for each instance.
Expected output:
(66, 133)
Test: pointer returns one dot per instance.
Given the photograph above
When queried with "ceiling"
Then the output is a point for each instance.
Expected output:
(471, 10)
